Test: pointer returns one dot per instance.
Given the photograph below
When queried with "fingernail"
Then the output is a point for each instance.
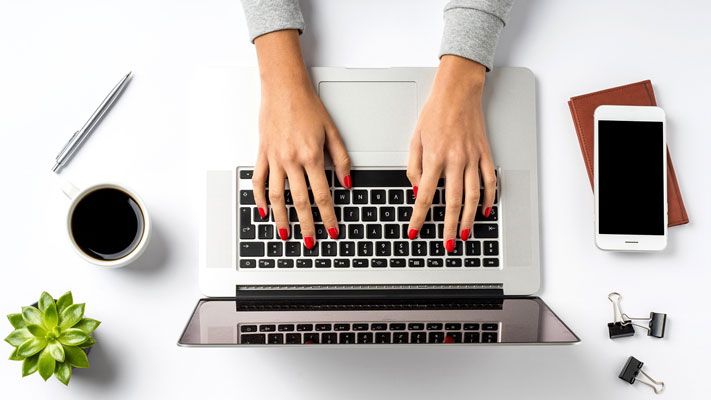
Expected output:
(412, 233)
(262, 212)
(283, 234)
(333, 233)
(309, 242)
(487, 212)
(449, 245)
(464, 234)
(347, 181)
(414, 190)
(448, 339)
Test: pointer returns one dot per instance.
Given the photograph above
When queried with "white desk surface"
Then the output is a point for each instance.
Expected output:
(60, 58)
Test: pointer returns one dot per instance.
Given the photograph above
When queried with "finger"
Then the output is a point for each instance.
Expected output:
(414, 164)
(428, 185)
(300, 196)
(471, 200)
(339, 156)
(322, 198)
(454, 180)
(276, 197)
(259, 178)
(488, 175)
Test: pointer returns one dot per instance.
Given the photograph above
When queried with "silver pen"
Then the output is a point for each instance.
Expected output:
(79, 136)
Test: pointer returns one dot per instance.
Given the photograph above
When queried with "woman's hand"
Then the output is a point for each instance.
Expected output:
(450, 141)
(294, 130)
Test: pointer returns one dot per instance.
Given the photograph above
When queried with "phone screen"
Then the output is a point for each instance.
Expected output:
(630, 180)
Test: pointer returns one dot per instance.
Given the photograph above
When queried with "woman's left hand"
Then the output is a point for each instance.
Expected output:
(450, 141)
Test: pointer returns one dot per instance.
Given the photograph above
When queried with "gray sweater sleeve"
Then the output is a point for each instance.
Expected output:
(472, 28)
(264, 16)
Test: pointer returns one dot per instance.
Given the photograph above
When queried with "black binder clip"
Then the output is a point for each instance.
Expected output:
(624, 325)
(631, 373)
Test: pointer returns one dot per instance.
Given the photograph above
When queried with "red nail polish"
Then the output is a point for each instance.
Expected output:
(449, 245)
(262, 212)
(487, 212)
(414, 190)
(333, 233)
(283, 234)
(464, 235)
(309, 242)
(448, 339)
(412, 233)
(347, 181)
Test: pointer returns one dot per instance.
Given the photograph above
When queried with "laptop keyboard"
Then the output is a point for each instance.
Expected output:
(373, 219)
(370, 333)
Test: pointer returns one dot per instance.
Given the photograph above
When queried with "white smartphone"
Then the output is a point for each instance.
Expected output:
(630, 178)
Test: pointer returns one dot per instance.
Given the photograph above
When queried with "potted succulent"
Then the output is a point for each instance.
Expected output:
(52, 337)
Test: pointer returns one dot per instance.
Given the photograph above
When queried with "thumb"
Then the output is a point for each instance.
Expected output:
(339, 156)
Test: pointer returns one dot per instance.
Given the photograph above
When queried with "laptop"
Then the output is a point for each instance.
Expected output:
(372, 286)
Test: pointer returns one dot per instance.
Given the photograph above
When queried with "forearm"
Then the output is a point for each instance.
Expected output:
(281, 64)
(472, 28)
(264, 16)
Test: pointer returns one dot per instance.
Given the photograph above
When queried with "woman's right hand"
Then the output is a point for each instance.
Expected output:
(294, 130)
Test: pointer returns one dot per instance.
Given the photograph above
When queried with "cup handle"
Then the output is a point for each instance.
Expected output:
(69, 189)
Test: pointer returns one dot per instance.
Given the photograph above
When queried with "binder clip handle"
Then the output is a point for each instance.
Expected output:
(657, 323)
(631, 373)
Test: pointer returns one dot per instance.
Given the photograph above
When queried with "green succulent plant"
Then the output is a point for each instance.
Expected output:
(52, 338)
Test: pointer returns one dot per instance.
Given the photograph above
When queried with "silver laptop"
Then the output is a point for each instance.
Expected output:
(372, 286)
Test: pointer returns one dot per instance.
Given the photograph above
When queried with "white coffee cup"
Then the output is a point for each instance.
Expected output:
(137, 245)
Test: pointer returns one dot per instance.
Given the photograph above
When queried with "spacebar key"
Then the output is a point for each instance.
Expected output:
(380, 178)
(251, 249)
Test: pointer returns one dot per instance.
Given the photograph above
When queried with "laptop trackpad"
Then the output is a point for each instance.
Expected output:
(372, 116)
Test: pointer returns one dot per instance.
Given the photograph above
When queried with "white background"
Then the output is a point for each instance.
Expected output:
(58, 60)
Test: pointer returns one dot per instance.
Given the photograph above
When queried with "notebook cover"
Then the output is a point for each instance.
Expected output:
(583, 108)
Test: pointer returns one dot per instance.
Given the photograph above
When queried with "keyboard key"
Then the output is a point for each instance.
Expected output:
(453, 337)
(360, 327)
(472, 262)
(491, 262)
(374, 231)
(293, 216)
(329, 249)
(311, 338)
(341, 263)
(285, 263)
(486, 231)
(247, 232)
(453, 326)
(379, 263)
(369, 214)
(493, 215)
(415, 326)
(365, 249)
(322, 263)
(396, 196)
(410, 196)
(435, 262)
(436, 248)
(491, 248)
(418, 337)
(266, 231)
(316, 214)
(297, 232)
(434, 326)
(360, 263)
(489, 327)
(395, 178)
(416, 262)
(245, 216)
(382, 249)
(438, 214)
(382, 337)
(418, 248)
(304, 263)
(321, 232)
(435, 337)
(458, 248)
(329, 338)
(351, 214)
(251, 249)
(355, 231)
(342, 327)
(401, 248)
(323, 327)
(286, 328)
(377, 197)
(428, 231)
(360, 196)
(293, 249)
(401, 337)
(248, 328)
(310, 252)
(266, 263)
(471, 337)
(489, 337)
(274, 249)
(346, 338)
(473, 247)
(404, 214)
(341, 197)
(397, 263)
(304, 327)
(246, 197)
(253, 338)
(397, 327)
(387, 214)
(346, 249)
(471, 327)
(267, 328)
(391, 231)
(453, 262)
(245, 174)
(246, 263)
(378, 327)
(275, 338)
(293, 338)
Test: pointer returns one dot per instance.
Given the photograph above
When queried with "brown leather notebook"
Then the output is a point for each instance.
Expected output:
(635, 94)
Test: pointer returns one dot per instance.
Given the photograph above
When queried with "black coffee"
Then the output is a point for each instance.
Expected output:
(107, 224)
